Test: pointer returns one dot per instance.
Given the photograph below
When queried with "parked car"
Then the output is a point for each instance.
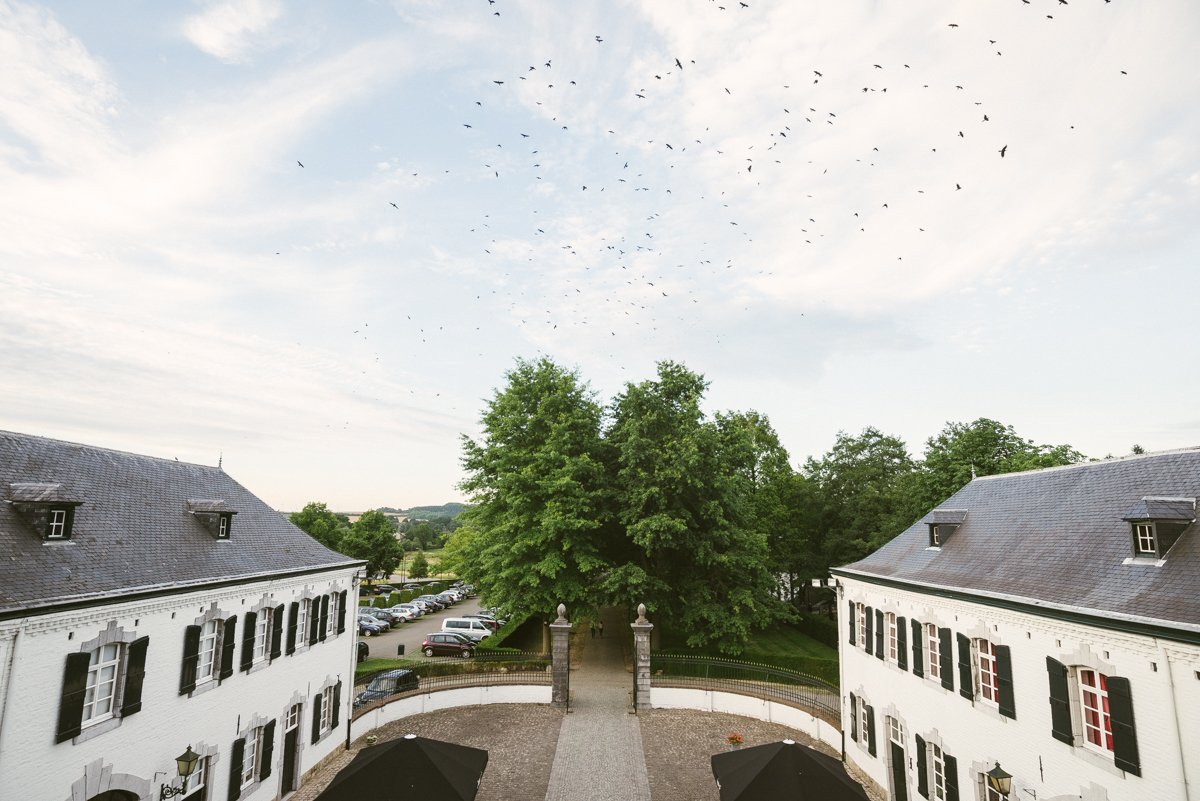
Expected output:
(385, 685)
(384, 589)
(434, 602)
(403, 612)
(447, 644)
(386, 614)
(475, 629)
(416, 609)
(412, 586)
(487, 621)
(447, 599)
(369, 626)
(364, 651)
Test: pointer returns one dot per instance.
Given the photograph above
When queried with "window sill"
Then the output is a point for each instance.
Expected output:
(201, 689)
(259, 665)
(989, 709)
(934, 548)
(1145, 561)
(1092, 758)
(96, 730)
(251, 787)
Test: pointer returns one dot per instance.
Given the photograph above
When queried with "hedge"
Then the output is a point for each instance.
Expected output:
(380, 602)
(374, 667)
(393, 599)
(364, 601)
(821, 629)
(824, 669)
(405, 596)
(493, 643)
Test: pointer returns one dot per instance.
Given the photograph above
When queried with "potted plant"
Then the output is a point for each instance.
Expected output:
(735, 741)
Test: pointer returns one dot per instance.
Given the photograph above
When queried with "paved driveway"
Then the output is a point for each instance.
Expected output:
(412, 634)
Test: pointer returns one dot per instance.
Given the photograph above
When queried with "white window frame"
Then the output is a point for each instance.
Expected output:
(936, 538)
(937, 773)
(986, 680)
(103, 676)
(210, 647)
(223, 527)
(863, 725)
(990, 794)
(294, 715)
(1099, 707)
(1145, 538)
(891, 628)
(862, 623)
(327, 710)
(302, 622)
(197, 781)
(933, 647)
(262, 635)
(250, 757)
(331, 622)
(58, 524)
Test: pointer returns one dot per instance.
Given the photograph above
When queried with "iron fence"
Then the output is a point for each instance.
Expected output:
(420, 675)
(747, 678)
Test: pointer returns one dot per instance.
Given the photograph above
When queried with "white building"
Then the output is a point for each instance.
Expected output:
(149, 605)
(1048, 621)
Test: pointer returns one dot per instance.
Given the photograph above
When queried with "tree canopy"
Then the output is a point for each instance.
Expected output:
(373, 538)
(326, 527)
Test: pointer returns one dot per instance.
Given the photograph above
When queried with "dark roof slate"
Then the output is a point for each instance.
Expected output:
(133, 531)
(1058, 536)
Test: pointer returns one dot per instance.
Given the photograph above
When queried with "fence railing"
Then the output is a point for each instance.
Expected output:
(413, 676)
(747, 678)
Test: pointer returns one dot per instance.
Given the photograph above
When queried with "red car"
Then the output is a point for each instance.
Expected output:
(448, 644)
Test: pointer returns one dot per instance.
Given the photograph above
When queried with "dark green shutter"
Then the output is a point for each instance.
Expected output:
(314, 609)
(853, 718)
(902, 643)
(951, 777)
(946, 658)
(248, 626)
(869, 619)
(852, 626)
(268, 750)
(966, 682)
(191, 659)
(1120, 707)
(293, 613)
(922, 768)
(342, 613)
(228, 642)
(316, 726)
(135, 675)
(1060, 701)
(918, 648)
(879, 633)
(70, 705)
(236, 758)
(324, 617)
(337, 705)
(1004, 682)
(277, 633)
(870, 730)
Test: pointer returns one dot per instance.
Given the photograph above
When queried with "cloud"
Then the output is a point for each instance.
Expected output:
(232, 30)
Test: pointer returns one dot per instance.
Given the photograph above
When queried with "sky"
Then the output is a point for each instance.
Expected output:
(309, 239)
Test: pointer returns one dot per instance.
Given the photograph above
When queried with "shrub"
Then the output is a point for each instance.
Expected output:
(496, 640)
(821, 629)
(380, 602)
(405, 596)
(434, 588)
(393, 599)
(364, 601)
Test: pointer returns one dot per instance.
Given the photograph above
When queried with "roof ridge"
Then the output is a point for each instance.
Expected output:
(1092, 462)
(176, 460)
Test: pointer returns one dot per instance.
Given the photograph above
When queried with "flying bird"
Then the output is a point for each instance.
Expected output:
(1002, 151)
(300, 164)
(498, 83)
(394, 205)
(677, 64)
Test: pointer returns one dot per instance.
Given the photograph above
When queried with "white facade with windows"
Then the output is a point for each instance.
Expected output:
(945, 673)
(100, 693)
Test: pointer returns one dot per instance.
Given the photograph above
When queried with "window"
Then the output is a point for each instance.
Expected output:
(1144, 536)
(327, 709)
(935, 664)
(896, 731)
(103, 666)
(208, 651)
(197, 781)
(262, 635)
(935, 539)
(250, 756)
(938, 764)
(991, 794)
(302, 623)
(862, 626)
(56, 524)
(891, 629)
(293, 718)
(1093, 700)
(989, 689)
(331, 621)
(224, 522)
(863, 722)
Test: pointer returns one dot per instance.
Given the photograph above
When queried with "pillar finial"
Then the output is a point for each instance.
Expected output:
(562, 613)
(642, 614)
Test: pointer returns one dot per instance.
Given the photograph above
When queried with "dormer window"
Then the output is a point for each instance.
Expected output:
(214, 515)
(56, 524)
(223, 527)
(46, 508)
(942, 523)
(1144, 538)
(1156, 523)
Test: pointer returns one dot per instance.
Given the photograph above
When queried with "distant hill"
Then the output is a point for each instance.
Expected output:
(427, 512)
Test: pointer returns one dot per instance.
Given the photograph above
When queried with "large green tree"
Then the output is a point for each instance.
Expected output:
(419, 567)
(540, 490)
(373, 538)
(326, 527)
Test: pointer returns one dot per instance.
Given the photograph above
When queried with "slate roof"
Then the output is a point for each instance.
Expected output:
(133, 532)
(1056, 537)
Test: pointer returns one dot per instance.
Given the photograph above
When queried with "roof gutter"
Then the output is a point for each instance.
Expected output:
(162, 590)
(1114, 621)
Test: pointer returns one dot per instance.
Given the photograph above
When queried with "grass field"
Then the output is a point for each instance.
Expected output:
(776, 641)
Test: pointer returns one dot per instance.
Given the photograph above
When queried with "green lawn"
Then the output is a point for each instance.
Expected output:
(779, 640)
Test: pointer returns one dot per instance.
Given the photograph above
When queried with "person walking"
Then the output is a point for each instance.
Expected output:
(593, 630)
(601, 628)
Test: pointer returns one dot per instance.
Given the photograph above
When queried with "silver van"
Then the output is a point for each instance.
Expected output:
(474, 629)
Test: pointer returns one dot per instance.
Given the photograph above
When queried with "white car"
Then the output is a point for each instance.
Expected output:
(403, 611)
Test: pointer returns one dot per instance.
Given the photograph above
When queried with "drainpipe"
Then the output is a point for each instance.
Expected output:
(841, 666)
(1162, 651)
(8, 693)
(353, 593)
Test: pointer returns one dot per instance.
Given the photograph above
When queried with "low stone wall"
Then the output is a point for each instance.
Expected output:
(444, 699)
(747, 706)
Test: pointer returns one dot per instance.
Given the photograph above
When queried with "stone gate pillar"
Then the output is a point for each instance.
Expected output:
(560, 655)
(641, 657)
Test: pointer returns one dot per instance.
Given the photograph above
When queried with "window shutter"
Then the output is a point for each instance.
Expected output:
(852, 626)
(918, 648)
(902, 643)
(342, 613)
(853, 718)
(1120, 707)
(248, 626)
(268, 750)
(337, 705)
(871, 730)
(324, 617)
(951, 777)
(191, 659)
(70, 706)
(277, 633)
(316, 729)
(314, 607)
(293, 613)
(879, 633)
(946, 658)
(1060, 701)
(922, 768)
(1004, 682)
(966, 682)
(135, 674)
(870, 621)
(228, 641)
(236, 759)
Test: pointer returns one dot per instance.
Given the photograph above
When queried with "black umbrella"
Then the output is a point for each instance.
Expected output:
(783, 771)
(409, 769)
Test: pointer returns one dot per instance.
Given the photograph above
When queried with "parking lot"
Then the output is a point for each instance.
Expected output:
(412, 634)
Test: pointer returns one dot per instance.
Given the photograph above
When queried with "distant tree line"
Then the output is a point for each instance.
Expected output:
(372, 537)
